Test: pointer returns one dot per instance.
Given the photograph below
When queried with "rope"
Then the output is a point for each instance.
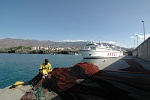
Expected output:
(39, 92)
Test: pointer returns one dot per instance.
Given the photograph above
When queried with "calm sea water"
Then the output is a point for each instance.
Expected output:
(23, 67)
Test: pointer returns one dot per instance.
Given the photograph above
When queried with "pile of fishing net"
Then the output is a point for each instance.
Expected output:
(65, 78)
(93, 87)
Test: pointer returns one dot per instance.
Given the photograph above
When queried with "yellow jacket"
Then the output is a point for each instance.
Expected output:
(46, 68)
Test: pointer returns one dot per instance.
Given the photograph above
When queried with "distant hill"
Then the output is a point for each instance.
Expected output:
(10, 42)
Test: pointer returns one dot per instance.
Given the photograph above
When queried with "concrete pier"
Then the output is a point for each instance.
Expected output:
(119, 63)
(127, 73)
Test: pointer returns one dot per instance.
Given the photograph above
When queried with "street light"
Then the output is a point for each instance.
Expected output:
(143, 29)
(137, 40)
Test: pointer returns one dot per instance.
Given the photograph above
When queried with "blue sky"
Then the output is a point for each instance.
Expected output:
(115, 21)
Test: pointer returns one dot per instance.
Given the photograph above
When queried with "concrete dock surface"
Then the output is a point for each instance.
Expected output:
(121, 72)
(120, 63)
(14, 93)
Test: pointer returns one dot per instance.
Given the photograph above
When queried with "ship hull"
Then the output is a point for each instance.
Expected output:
(93, 54)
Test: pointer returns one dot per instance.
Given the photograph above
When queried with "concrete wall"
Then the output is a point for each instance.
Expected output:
(148, 49)
(143, 50)
(134, 53)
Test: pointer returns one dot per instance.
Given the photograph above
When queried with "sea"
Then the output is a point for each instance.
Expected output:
(23, 67)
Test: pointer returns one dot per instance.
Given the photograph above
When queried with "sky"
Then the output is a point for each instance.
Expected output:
(112, 21)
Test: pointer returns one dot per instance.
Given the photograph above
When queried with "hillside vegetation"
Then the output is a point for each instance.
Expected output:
(9, 42)
(21, 44)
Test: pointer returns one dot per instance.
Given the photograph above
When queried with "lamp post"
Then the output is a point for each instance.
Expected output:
(134, 43)
(137, 40)
(143, 29)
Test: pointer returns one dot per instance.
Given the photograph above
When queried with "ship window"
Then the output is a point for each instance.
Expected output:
(93, 48)
(87, 48)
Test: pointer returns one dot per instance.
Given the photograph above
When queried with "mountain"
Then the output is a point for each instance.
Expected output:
(10, 42)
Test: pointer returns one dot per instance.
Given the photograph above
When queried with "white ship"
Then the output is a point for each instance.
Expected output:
(98, 50)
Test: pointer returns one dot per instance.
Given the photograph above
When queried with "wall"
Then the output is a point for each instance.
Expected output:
(143, 50)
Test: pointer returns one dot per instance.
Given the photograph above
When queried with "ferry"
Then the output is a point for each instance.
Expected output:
(95, 50)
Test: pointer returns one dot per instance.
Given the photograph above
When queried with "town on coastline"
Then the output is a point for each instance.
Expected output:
(21, 46)
(40, 50)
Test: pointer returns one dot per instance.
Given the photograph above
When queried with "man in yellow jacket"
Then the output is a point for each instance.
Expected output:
(45, 68)
(44, 72)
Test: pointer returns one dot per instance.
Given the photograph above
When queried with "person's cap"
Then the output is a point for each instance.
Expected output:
(46, 60)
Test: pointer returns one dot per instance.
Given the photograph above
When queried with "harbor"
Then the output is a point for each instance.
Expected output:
(115, 71)
(75, 50)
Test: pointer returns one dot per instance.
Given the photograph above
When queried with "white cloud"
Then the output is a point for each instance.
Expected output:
(141, 37)
(111, 42)
(147, 36)
(116, 43)
(74, 40)
(121, 45)
(132, 37)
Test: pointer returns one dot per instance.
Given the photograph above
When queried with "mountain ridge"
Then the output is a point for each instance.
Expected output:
(12, 42)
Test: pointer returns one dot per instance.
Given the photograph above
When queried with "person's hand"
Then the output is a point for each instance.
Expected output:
(49, 75)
